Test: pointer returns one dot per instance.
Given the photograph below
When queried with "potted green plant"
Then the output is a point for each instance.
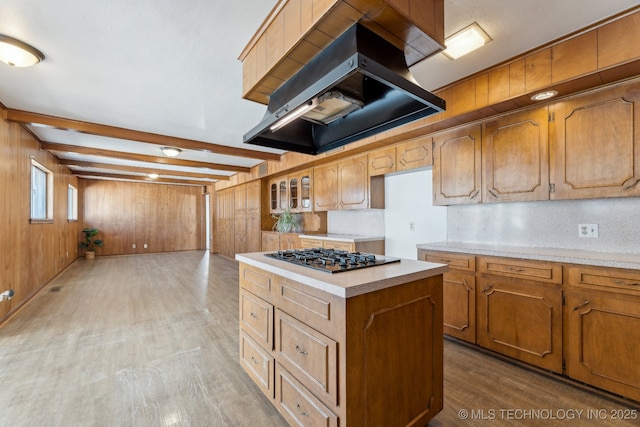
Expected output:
(90, 242)
(286, 222)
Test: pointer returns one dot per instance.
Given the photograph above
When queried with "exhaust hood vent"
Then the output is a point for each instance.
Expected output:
(358, 86)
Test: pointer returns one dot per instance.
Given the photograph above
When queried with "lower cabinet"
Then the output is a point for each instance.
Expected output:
(603, 329)
(274, 241)
(579, 321)
(370, 246)
(458, 293)
(391, 374)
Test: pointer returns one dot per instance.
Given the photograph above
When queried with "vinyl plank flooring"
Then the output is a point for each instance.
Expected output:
(152, 340)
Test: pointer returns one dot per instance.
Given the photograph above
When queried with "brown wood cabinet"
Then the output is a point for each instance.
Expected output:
(457, 172)
(370, 246)
(346, 185)
(273, 241)
(238, 217)
(603, 328)
(293, 342)
(414, 153)
(293, 191)
(458, 293)
(515, 159)
(520, 310)
(595, 144)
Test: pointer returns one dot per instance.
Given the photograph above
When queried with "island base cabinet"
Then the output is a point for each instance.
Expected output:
(604, 341)
(394, 355)
(373, 359)
(521, 319)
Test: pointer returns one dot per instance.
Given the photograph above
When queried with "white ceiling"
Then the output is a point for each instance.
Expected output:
(170, 67)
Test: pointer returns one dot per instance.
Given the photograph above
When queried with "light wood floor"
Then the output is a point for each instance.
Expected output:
(152, 340)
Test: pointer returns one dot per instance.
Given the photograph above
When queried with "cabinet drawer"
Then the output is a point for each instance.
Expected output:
(539, 271)
(310, 243)
(256, 318)
(311, 306)
(341, 246)
(606, 279)
(455, 261)
(299, 406)
(256, 280)
(309, 355)
(258, 363)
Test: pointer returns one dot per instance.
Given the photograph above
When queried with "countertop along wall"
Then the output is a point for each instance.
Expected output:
(549, 224)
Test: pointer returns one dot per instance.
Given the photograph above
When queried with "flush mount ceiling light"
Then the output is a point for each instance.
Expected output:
(544, 95)
(171, 151)
(464, 41)
(153, 175)
(17, 53)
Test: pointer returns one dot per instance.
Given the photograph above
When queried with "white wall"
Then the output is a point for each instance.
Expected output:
(408, 199)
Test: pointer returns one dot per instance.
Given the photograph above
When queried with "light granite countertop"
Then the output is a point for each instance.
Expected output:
(567, 256)
(349, 283)
(350, 238)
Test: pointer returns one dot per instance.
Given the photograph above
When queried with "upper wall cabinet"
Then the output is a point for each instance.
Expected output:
(515, 161)
(346, 185)
(296, 30)
(457, 166)
(595, 144)
(293, 192)
(412, 154)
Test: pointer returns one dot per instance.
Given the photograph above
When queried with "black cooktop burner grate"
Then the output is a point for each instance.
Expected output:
(331, 260)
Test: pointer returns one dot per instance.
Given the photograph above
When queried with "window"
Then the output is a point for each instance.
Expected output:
(72, 203)
(41, 192)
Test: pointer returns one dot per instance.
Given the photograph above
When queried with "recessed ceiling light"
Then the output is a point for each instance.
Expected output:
(153, 175)
(171, 151)
(17, 53)
(464, 41)
(541, 96)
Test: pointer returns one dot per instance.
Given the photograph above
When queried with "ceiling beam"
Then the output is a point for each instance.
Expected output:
(28, 118)
(111, 166)
(118, 176)
(140, 157)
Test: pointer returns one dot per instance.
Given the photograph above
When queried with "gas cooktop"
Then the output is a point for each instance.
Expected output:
(331, 260)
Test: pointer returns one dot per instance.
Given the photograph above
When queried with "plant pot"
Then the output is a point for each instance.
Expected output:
(90, 254)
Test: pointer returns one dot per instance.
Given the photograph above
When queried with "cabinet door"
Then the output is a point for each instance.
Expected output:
(270, 241)
(515, 157)
(415, 153)
(595, 144)
(522, 319)
(604, 341)
(325, 187)
(382, 161)
(273, 196)
(459, 305)
(353, 180)
(306, 191)
(289, 241)
(457, 167)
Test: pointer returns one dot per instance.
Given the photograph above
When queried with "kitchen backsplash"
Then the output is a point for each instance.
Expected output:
(549, 224)
(362, 222)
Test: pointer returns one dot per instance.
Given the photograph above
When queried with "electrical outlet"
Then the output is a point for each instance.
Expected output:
(145, 246)
(587, 230)
(412, 226)
(133, 246)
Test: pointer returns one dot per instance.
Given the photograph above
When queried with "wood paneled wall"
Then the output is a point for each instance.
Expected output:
(164, 217)
(30, 254)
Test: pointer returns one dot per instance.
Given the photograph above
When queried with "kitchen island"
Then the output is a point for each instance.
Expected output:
(351, 348)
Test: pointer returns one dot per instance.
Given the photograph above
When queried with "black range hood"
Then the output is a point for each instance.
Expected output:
(358, 86)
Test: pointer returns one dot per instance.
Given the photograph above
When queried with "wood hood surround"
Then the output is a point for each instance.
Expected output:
(297, 30)
(606, 52)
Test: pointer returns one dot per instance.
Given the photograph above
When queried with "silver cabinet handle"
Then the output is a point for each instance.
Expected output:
(488, 288)
(253, 315)
(301, 411)
(301, 350)
(587, 302)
